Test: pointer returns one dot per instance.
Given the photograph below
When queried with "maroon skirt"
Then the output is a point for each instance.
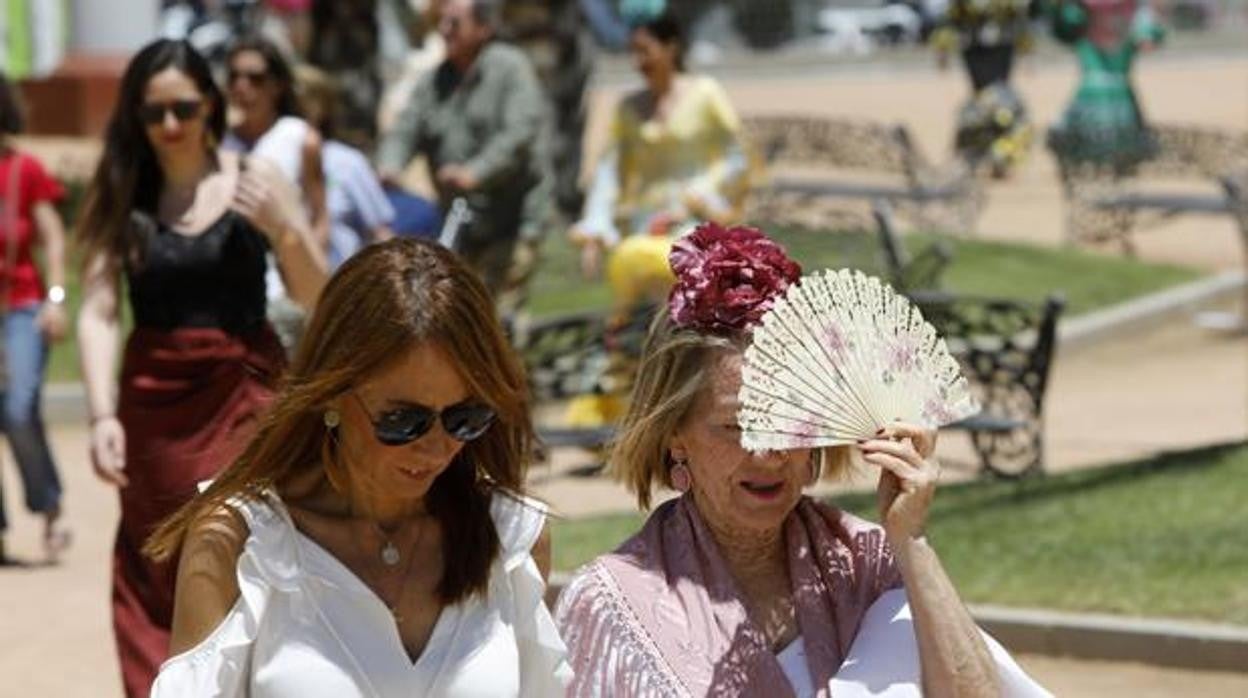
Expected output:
(188, 400)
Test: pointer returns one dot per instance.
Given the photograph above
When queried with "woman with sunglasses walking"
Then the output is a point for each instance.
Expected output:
(373, 539)
(264, 121)
(189, 229)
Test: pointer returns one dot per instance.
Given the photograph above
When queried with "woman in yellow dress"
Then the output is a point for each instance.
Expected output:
(675, 156)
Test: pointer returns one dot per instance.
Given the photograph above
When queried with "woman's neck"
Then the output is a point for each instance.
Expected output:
(662, 84)
(184, 172)
(251, 128)
(754, 556)
(385, 510)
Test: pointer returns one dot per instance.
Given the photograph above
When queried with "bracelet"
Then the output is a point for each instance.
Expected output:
(101, 417)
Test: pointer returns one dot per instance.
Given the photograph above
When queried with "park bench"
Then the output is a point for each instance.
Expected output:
(1006, 349)
(818, 165)
(1005, 346)
(1192, 171)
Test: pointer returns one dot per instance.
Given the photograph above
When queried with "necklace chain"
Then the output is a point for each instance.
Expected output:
(390, 558)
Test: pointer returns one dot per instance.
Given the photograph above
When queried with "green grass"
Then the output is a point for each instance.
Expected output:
(1088, 281)
(1163, 537)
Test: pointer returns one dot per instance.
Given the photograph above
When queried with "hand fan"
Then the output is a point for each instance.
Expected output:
(840, 356)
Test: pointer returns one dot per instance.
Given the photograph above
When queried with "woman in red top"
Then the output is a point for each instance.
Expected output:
(33, 316)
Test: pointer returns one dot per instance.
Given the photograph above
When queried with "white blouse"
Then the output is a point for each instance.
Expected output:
(304, 625)
(883, 661)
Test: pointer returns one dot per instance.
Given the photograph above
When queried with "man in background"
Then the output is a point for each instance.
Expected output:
(481, 121)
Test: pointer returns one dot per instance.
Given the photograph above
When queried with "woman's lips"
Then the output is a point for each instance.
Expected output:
(413, 474)
(762, 489)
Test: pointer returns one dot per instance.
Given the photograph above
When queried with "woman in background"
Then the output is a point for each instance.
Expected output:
(189, 228)
(265, 123)
(34, 317)
(674, 156)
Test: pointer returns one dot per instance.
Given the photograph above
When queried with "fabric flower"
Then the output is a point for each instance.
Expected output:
(727, 278)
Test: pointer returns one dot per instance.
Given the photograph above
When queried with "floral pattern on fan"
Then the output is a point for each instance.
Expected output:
(839, 356)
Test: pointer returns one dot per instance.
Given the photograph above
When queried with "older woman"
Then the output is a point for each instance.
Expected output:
(742, 585)
(372, 540)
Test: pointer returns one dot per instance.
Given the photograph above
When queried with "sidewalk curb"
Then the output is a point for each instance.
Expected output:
(1132, 316)
(1089, 636)
(1172, 643)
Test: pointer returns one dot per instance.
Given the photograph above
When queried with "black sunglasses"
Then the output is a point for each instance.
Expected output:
(464, 421)
(153, 113)
(254, 77)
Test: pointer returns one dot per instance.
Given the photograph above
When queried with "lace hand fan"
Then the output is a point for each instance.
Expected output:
(840, 356)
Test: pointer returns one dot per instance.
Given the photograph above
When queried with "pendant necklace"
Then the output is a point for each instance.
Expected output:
(389, 551)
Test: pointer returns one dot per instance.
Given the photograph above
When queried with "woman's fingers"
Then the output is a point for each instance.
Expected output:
(901, 449)
(907, 474)
(924, 439)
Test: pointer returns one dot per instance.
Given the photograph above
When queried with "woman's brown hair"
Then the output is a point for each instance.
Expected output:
(675, 369)
(382, 302)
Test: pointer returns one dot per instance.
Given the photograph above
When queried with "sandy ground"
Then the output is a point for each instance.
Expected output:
(1175, 387)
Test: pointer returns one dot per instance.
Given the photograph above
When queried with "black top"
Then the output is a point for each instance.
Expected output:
(213, 279)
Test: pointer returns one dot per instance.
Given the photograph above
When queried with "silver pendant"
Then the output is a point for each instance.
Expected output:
(390, 554)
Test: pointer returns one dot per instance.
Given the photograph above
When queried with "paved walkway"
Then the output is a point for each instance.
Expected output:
(1175, 387)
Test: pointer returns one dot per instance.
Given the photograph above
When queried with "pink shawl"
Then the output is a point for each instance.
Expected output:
(662, 616)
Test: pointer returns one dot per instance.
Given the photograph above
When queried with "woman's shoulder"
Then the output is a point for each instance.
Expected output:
(519, 521)
(222, 532)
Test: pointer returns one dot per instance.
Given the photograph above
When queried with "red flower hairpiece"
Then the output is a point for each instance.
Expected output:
(726, 278)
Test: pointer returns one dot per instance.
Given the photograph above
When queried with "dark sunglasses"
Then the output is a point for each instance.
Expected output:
(153, 113)
(464, 421)
(254, 77)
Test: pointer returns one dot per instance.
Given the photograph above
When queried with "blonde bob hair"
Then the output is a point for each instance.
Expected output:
(675, 368)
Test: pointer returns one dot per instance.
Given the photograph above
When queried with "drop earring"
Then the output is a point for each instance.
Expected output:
(681, 478)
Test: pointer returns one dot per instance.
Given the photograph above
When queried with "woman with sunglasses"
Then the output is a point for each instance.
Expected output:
(189, 229)
(264, 121)
(372, 539)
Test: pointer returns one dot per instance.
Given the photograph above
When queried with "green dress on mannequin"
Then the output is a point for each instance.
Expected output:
(1103, 123)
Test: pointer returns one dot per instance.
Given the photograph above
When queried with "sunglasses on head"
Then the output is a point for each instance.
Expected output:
(153, 113)
(253, 77)
(463, 421)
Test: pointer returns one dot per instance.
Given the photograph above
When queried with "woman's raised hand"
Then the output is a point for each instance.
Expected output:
(267, 199)
(908, 477)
